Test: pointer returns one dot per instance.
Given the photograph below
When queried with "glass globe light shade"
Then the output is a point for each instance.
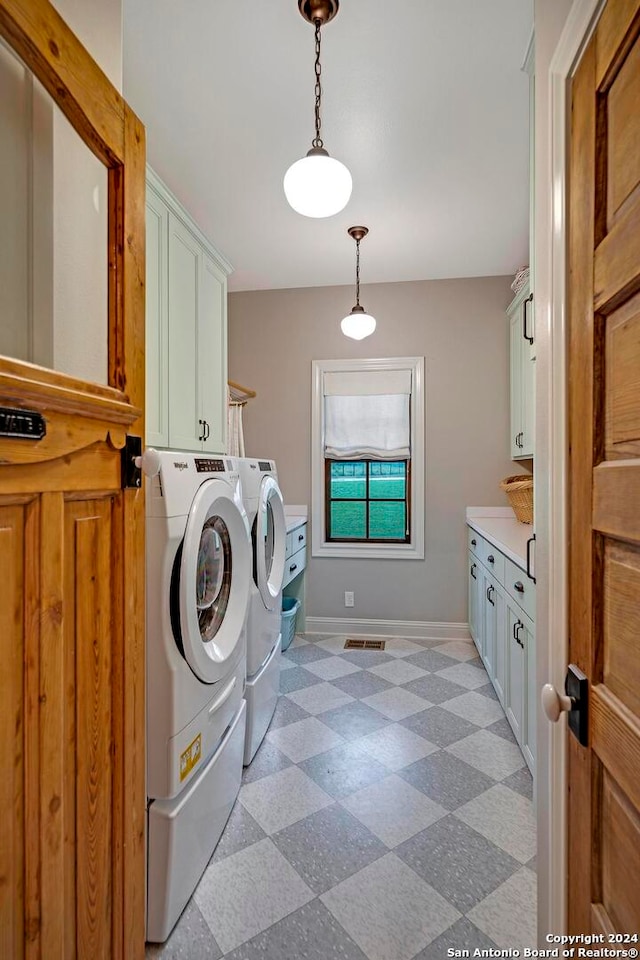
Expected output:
(358, 324)
(317, 185)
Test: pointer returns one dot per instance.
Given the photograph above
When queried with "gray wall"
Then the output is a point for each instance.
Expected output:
(460, 327)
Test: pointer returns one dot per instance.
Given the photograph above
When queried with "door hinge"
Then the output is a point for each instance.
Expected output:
(131, 474)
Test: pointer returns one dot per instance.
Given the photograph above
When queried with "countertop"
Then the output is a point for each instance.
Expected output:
(499, 526)
(295, 516)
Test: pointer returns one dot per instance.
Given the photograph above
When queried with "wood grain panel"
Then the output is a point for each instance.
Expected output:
(623, 380)
(617, 30)
(622, 623)
(620, 840)
(616, 271)
(623, 140)
(12, 732)
(33, 899)
(90, 548)
(616, 499)
(96, 467)
(615, 736)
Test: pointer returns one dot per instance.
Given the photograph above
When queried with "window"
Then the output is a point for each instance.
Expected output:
(367, 500)
(368, 458)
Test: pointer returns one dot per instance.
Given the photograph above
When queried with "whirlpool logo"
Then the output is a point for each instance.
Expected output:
(181, 465)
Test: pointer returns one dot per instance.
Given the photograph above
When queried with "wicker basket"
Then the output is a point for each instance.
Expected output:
(519, 490)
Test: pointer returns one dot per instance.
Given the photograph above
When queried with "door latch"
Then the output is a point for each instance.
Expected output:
(130, 469)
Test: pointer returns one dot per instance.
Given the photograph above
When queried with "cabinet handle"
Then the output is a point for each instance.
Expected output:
(516, 633)
(300, 537)
(491, 558)
(473, 566)
(207, 429)
(294, 566)
(201, 434)
(524, 318)
(490, 590)
(473, 543)
(519, 586)
(529, 542)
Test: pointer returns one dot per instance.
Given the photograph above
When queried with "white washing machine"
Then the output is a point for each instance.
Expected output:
(265, 513)
(198, 582)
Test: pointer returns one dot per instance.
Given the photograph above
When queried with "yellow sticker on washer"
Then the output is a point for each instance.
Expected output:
(190, 756)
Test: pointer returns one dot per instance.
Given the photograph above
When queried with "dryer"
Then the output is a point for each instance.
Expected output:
(198, 582)
(265, 513)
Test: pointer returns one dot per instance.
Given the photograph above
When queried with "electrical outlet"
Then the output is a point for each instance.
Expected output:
(348, 598)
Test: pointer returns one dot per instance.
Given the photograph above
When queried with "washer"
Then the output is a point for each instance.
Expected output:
(265, 513)
(198, 582)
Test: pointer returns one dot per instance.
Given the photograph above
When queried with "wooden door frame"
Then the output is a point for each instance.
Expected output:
(551, 467)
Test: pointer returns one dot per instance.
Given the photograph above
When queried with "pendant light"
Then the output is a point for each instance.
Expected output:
(358, 324)
(318, 185)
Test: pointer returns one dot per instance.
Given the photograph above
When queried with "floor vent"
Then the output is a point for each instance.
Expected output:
(354, 644)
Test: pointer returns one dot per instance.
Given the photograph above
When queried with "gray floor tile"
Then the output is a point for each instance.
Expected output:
(362, 684)
(299, 640)
(240, 832)
(323, 696)
(282, 798)
(476, 709)
(395, 746)
(306, 653)
(398, 671)
(354, 720)
(505, 818)
(286, 712)
(446, 779)
(367, 658)
(487, 691)
(502, 728)
(191, 939)
(458, 862)
(328, 847)
(458, 649)
(506, 915)
(304, 739)
(343, 770)
(332, 667)
(334, 644)
(402, 647)
(435, 689)
(389, 911)
(310, 933)
(296, 679)
(533, 864)
(431, 661)
(492, 755)
(397, 703)
(393, 809)
(463, 935)
(286, 664)
(521, 781)
(468, 675)
(439, 726)
(268, 759)
(247, 892)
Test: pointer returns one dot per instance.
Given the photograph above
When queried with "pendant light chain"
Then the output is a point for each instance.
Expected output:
(317, 141)
(357, 273)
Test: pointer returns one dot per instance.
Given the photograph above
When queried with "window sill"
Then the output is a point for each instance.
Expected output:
(371, 551)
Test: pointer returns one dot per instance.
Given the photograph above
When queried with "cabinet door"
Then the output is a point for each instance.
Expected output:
(157, 322)
(528, 382)
(515, 354)
(184, 401)
(501, 654)
(474, 574)
(212, 354)
(532, 699)
(490, 622)
(516, 671)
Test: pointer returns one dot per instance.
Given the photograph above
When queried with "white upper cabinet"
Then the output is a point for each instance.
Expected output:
(186, 329)
(522, 376)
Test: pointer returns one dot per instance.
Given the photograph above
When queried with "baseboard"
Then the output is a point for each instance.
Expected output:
(389, 628)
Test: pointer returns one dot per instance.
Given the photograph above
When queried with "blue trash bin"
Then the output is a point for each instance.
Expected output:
(290, 607)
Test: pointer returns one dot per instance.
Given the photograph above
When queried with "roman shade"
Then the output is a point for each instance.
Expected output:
(366, 415)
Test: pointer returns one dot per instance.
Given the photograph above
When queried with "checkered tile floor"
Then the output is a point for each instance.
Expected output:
(387, 816)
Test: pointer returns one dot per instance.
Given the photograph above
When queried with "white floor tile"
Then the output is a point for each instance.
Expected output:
(389, 911)
(319, 697)
(396, 703)
(247, 892)
(304, 738)
(458, 649)
(332, 668)
(283, 798)
(491, 754)
(398, 671)
(507, 915)
(474, 707)
(504, 817)
(395, 746)
(393, 809)
(402, 647)
(466, 674)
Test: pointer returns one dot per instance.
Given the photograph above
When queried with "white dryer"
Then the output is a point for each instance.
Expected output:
(198, 581)
(265, 513)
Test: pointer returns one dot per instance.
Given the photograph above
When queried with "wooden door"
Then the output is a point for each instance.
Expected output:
(72, 723)
(604, 383)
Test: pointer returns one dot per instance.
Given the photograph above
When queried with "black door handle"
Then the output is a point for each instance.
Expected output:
(294, 566)
(519, 586)
(473, 543)
(473, 566)
(300, 537)
(529, 542)
(524, 318)
(201, 434)
(491, 558)
(490, 590)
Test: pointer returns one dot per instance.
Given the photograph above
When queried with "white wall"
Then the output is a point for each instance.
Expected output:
(460, 327)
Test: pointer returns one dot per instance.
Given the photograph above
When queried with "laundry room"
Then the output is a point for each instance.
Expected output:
(319, 419)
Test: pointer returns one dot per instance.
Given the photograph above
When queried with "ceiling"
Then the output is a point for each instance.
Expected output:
(424, 100)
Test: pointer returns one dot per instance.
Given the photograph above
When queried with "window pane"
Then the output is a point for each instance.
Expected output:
(348, 480)
(386, 521)
(388, 481)
(348, 521)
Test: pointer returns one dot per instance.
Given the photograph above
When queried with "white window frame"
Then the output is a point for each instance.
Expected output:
(320, 546)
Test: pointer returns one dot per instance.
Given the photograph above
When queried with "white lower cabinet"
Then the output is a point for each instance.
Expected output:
(504, 635)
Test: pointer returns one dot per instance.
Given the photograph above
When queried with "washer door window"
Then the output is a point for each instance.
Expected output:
(214, 582)
(269, 543)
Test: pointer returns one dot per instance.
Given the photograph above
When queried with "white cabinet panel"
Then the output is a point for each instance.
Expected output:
(516, 682)
(532, 696)
(157, 322)
(212, 355)
(522, 376)
(488, 596)
(474, 586)
(184, 274)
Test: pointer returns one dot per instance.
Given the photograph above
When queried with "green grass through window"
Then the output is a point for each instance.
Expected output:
(380, 515)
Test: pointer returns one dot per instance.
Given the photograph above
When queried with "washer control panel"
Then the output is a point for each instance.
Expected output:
(209, 466)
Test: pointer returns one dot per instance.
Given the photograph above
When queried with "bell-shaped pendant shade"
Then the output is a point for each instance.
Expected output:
(358, 324)
(317, 185)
